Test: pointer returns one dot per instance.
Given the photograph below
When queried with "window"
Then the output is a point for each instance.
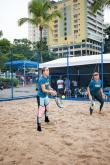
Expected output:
(75, 16)
(55, 49)
(77, 46)
(75, 1)
(55, 31)
(64, 48)
(55, 21)
(55, 35)
(75, 31)
(83, 45)
(55, 40)
(65, 38)
(76, 21)
(55, 26)
(75, 26)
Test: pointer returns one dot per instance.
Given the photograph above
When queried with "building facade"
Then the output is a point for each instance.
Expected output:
(78, 32)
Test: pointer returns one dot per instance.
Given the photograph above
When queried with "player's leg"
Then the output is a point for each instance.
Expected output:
(46, 102)
(100, 99)
(41, 111)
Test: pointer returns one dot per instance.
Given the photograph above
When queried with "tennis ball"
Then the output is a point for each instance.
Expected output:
(63, 97)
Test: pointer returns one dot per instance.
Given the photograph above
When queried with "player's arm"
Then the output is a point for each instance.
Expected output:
(88, 93)
(44, 89)
(102, 93)
(49, 91)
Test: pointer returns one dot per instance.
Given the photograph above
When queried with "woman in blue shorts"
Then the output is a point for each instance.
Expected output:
(95, 91)
(44, 89)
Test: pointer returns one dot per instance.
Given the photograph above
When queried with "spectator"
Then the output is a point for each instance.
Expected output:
(67, 90)
(60, 86)
(75, 86)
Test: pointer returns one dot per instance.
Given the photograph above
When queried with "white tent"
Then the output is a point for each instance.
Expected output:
(77, 61)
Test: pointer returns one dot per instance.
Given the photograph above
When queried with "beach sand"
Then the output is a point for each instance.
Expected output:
(72, 137)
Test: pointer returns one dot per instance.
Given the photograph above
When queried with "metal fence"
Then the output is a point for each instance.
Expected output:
(20, 80)
(18, 73)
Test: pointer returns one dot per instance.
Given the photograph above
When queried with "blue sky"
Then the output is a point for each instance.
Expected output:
(12, 10)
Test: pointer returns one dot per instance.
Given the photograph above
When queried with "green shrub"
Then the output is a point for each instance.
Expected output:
(8, 82)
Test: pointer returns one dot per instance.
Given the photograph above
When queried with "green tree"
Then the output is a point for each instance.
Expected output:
(4, 52)
(46, 54)
(23, 47)
(1, 33)
(98, 4)
(4, 45)
(107, 40)
(40, 16)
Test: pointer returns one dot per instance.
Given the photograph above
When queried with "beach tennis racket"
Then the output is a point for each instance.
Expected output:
(92, 104)
(58, 100)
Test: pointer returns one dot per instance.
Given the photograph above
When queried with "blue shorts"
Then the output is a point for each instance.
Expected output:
(42, 101)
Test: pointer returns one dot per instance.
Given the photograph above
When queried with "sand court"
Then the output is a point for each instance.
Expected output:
(72, 137)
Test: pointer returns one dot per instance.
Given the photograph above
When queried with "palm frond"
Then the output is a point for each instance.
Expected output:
(49, 17)
(98, 4)
(24, 20)
(36, 7)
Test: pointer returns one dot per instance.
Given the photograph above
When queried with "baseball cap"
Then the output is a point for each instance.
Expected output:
(45, 68)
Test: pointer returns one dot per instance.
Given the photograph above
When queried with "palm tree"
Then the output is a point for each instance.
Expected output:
(98, 4)
(40, 16)
(1, 33)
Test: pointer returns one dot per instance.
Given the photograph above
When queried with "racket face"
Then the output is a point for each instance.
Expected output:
(59, 102)
(92, 104)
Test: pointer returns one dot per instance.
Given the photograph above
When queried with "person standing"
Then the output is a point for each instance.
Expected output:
(67, 90)
(75, 88)
(95, 91)
(60, 86)
(44, 89)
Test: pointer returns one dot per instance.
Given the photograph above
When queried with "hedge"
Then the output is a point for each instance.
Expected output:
(8, 82)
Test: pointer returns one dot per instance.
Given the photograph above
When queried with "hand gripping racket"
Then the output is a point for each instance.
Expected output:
(58, 100)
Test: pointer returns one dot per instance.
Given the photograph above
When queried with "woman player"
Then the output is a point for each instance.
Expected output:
(42, 97)
(95, 91)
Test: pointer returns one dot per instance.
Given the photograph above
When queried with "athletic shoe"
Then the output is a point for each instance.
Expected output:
(47, 119)
(91, 111)
(39, 127)
(100, 112)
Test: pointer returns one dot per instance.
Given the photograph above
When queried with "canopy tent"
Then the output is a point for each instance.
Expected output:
(76, 61)
(23, 63)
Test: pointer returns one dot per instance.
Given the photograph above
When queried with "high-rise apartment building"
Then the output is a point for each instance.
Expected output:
(78, 32)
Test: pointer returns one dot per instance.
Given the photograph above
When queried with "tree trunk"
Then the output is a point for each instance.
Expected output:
(41, 30)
